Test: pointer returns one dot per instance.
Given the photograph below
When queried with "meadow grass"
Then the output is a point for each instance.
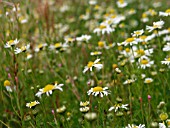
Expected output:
(85, 63)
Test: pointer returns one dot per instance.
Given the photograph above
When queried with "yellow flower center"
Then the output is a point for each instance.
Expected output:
(117, 105)
(120, 48)
(57, 45)
(102, 26)
(143, 37)
(148, 81)
(23, 48)
(127, 50)
(96, 53)
(163, 116)
(169, 29)
(97, 89)
(48, 88)
(70, 39)
(40, 46)
(144, 61)
(96, 7)
(138, 33)
(21, 18)
(32, 104)
(144, 15)
(121, 1)
(168, 59)
(10, 42)
(7, 83)
(101, 44)
(114, 66)
(135, 127)
(168, 122)
(155, 26)
(141, 52)
(167, 11)
(130, 40)
(90, 64)
(113, 16)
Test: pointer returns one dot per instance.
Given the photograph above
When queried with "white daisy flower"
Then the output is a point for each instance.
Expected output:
(61, 109)
(7, 85)
(162, 125)
(48, 89)
(137, 33)
(91, 64)
(163, 32)
(93, 2)
(118, 106)
(167, 47)
(59, 47)
(121, 3)
(103, 28)
(40, 47)
(166, 38)
(148, 80)
(84, 109)
(69, 39)
(166, 61)
(166, 13)
(129, 81)
(144, 62)
(95, 53)
(85, 38)
(29, 56)
(90, 116)
(156, 25)
(32, 104)
(135, 126)
(157, 4)
(98, 91)
(83, 104)
(22, 49)
(141, 52)
(11, 43)
(130, 41)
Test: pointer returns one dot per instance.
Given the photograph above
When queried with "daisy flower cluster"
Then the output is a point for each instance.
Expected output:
(111, 57)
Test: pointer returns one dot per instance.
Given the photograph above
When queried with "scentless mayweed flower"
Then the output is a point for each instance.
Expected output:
(48, 89)
(129, 41)
(40, 47)
(11, 43)
(156, 25)
(162, 125)
(166, 61)
(121, 3)
(116, 107)
(84, 109)
(103, 28)
(129, 81)
(135, 126)
(148, 80)
(90, 116)
(83, 104)
(166, 13)
(84, 38)
(32, 104)
(61, 109)
(22, 49)
(98, 91)
(137, 33)
(144, 62)
(7, 85)
(95, 53)
(91, 64)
